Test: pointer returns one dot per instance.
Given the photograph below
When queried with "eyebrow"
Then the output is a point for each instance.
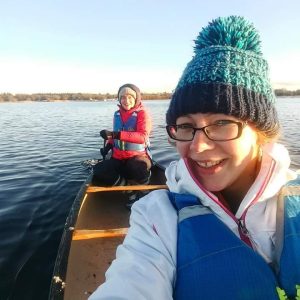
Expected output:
(224, 117)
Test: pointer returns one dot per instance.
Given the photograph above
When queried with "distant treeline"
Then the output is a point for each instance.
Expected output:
(7, 97)
(284, 92)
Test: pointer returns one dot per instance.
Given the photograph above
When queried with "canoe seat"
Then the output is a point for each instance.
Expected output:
(84, 234)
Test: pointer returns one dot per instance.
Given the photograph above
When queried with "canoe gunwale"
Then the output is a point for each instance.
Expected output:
(60, 267)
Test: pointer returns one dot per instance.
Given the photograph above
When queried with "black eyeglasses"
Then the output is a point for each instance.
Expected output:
(221, 131)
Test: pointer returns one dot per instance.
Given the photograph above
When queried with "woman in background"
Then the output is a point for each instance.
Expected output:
(129, 139)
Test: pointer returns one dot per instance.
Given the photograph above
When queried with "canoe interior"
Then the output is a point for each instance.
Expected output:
(97, 224)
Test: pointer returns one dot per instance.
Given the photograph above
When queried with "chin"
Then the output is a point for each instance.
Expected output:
(212, 184)
(212, 187)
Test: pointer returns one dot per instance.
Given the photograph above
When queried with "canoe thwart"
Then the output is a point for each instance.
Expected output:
(93, 189)
(84, 234)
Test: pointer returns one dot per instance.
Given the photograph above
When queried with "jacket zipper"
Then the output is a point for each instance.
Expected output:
(243, 231)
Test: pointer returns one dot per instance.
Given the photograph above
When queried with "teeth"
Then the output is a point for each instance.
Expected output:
(209, 164)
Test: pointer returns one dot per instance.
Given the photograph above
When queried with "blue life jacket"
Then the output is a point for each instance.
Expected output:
(130, 125)
(213, 263)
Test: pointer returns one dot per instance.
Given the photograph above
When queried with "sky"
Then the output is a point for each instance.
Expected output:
(95, 46)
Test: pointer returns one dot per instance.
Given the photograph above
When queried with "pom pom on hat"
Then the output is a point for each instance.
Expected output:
(233, 31)
(227, 75)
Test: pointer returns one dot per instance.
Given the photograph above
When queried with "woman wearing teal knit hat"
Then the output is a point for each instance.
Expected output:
(229, 226)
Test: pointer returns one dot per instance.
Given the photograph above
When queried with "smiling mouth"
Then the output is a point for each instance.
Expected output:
(209, 164)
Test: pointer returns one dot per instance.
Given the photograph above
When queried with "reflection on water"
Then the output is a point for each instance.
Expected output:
(45, 155)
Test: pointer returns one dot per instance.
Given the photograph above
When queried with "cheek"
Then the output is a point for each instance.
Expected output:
(245, 148)
(183, 148)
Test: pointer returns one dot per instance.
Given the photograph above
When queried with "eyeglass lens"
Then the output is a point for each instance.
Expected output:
(218, 132)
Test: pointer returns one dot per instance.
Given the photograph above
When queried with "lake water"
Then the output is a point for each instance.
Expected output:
(43, 150)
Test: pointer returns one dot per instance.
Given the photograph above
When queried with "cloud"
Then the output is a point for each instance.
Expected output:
(23, 75)
(38, 76)
(284, 71)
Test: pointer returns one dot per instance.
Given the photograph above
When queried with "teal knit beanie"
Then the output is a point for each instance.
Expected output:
(227, 75)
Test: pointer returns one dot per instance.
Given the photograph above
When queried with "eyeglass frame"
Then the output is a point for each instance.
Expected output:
(240, 125)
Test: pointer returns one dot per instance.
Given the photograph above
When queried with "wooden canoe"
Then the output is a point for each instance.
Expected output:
(96, 225)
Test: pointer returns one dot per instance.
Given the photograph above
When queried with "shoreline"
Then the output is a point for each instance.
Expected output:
(105, 100)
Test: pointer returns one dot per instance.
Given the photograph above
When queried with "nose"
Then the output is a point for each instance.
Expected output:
(201, 142)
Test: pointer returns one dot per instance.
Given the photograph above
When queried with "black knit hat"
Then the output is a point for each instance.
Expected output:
(129, 86)
(227, 75)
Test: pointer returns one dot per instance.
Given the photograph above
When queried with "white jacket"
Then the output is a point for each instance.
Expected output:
(145, 265)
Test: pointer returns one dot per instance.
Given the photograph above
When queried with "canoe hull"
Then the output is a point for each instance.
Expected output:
(97, 224)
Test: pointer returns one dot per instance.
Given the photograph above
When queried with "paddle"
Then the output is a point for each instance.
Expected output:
(103, 152)
(105, 149)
